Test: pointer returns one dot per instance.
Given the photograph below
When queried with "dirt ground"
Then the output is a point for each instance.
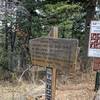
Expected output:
(76, 92)
(81, 87)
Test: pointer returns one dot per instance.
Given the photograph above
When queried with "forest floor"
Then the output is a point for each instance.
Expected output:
(81, 87)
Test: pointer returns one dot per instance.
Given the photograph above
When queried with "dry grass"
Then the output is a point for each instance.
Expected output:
(80, 87)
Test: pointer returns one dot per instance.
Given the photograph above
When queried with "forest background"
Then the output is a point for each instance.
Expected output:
(22, 20)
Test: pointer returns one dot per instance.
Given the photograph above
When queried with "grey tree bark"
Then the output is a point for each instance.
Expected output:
(90, 12)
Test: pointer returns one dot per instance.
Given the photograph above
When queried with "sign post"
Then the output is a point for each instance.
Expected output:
(94, 49)
(94, 39)
(51, 71)
(56, 52)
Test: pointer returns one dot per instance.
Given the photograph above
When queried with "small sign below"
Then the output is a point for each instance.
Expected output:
(96, 64)
(50, 83)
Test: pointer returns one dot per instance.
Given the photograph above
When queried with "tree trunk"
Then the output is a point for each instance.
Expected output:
(90, 12)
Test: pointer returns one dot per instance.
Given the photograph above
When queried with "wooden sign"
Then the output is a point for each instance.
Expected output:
(55, 52)
(50, 83)
(96, 64)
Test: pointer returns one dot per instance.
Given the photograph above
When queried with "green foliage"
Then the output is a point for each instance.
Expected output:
(3, 58)
(60, 13)
(68, 16)
(63, 15)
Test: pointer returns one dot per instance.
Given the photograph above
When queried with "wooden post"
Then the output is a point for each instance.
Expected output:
(53, 32)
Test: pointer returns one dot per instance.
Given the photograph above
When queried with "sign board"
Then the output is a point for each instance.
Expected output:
(54, 52)
(94, 39)
(50, 83)
(96, 64)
